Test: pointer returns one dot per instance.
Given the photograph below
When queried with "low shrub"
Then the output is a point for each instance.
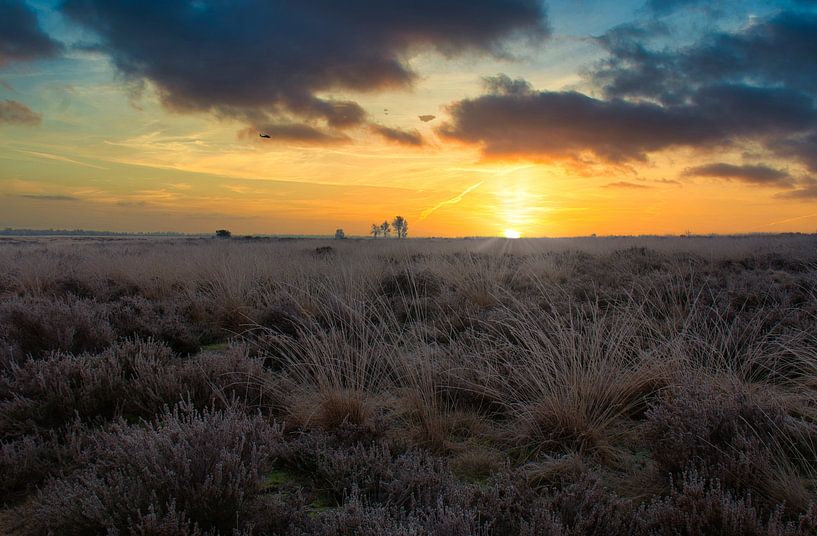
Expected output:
(37, 326)
(188, 469)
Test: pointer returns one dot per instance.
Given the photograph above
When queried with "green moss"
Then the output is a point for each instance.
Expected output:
(215, 347)
(320, 505)
(275, 479)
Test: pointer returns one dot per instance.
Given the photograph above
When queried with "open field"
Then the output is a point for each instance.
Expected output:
(409, 387)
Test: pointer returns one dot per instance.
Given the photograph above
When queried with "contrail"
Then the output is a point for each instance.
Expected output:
(787, 220)
(59, 158)
(427, 212)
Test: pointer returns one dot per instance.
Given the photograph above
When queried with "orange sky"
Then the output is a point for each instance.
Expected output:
(101, 158)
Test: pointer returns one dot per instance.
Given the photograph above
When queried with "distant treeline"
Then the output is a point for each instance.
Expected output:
(8, 231)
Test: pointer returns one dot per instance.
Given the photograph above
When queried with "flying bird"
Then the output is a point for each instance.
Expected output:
(427, 118)
(264, 135)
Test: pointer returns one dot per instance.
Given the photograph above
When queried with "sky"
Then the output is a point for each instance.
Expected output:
(467, 117)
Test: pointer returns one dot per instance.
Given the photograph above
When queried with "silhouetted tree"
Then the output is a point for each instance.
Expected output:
(400, 226)
(223, 233)
(375, 232)
(385, 228)
(339, 234)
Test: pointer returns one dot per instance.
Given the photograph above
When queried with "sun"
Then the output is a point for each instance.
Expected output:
(510, 233)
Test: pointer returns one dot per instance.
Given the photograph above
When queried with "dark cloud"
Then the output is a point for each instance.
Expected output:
(772, 54)
(799, 147)
(626, 185)
(17, 113)
(269, 60)
(547, 124)
(426, 118)
(755, 87)
(807, 190)
(502, 84)
(403, 137)
(296, 132)
(50, 197)
(668, 181)
(666, 7)
(754, 174)
(779, 51)
(21, 38)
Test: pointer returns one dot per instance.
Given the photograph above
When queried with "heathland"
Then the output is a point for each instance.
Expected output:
(154, 386)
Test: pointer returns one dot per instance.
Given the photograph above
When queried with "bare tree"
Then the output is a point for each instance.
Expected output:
(375, 232)
(400, 226)
(385, 228)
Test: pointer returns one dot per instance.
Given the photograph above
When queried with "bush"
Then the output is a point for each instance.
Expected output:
(131, 379)
(725, 431)
(186, 470)
(36, 326)
(699, 506)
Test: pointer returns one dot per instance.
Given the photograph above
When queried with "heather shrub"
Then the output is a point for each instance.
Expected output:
(24, 462)
(48, 392)
(742, 437)
(698, 506)
(27, 461)
(587, 507)
(166, 320)
(131, 379)
(36, 326)
(357, 518)
(412, 478)
(187, 468)
(503, 503)
(229, 378)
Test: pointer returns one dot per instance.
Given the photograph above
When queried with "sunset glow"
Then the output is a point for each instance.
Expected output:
(510, 233)
(538, 120)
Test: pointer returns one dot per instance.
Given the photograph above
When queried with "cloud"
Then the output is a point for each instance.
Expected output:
(396, 135)
(426, 118)
(50, 197)
(667, 7)
(518, 122)
(17, 113)
(800, 147)
(21, 38)
(755, 86)
(807, 190)
(773, 52)
(668, 181)
(272, 60)
(758, 174)
(502, 84)
(626, 185)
